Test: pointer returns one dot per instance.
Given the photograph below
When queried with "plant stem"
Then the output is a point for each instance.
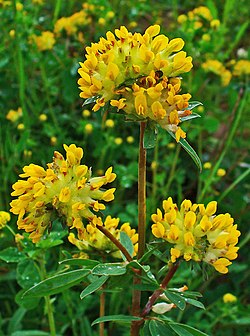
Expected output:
(102, 312)
(115, 242)
(158, 292)
(48, 303)
(136, 300)
(141, 193)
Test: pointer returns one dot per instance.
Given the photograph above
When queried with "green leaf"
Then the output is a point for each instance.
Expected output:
(11, 254)
(189, 150)
(90, 100)
(109, 269)
(195, 303)
(150, 135)
(185, 330)
(80, 262)
(145, 330)
(30, 333)
(94, 286)
(192, 105)
(16, 319)
(175, 298)
(27, 273)
(26, 302)
(146, 287)
(127, 243)
(145, 268)
(190, 116)
(158, 328)
(57, 283)
(116, 318)
(186, 293)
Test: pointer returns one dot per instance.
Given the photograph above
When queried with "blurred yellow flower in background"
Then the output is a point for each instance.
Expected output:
(4, 218)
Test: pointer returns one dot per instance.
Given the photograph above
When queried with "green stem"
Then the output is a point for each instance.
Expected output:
(228, 142)
(11, 230)
(57, 10)
(48, 304)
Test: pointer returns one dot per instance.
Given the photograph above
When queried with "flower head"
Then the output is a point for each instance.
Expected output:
(4, 218)
(139, 75)
(91, 238)
(66, 187)
(44, 42)
(196, 233)
(228, 298)
(218, 68)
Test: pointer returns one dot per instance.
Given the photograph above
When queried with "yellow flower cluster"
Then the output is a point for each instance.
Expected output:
(197, 17)
(4, 218)
(138, 74)
(91, 238)
(14, 115)
(218, 68)
(65, 189)
(72, 23)
(45, 41)
(197, 233)
(242, 67)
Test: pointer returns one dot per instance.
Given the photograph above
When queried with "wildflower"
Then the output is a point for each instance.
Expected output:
(182, 18)
(242, 53)
(101, 21)
(196, 233)
(203, 12)
(13, 115)
(130, 139)
(43, 117)
(154, 165)
(215, 24)
(138, 74)
(171, 145)
(12, 33)
(38, 2)
(110, 15)
(133, 24)
(206, 37)
(221, 172)
(109, 123)
(72, 23)
(88, 128)
(4, 218)
(228, 298)
(91, 238)
(45, 41)
(53, 140)
(20, 127)
(200, 108)
(219, 69)
(118, 141)
(19, 6)
(85, 113)
(242, 67)
(65, 188)
(27, 153)
(207, 165)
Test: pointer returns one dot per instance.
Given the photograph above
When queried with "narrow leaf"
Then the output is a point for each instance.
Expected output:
(190, 116)
(30, 333)
(127, 243)
(175, 298)
(94, 286)
(57, 283)
(195, 303)
(158, 328)
(109, 269)
(80, 262)
(189, 150)
(185, 330)
(90, 100)
(116, 318)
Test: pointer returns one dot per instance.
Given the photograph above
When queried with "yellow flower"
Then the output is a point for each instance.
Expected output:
(206, 37)
(19, 6)
(72, 23)
(43, 117)
(12, 32)
(196, 233)
(215, 24)
(45, 41)
(65, 188)
(221, 172)
(53, 140)
(20, 127)
(91, 238)
(242, 67)
(109, 123)
(130, 139)
(118, 141)
(228, 298)
(4, 218)
(219, 69)
(13, 115)
(138, 74)
(182, 18)
(110, 15)
(88, 128)
(85, 113)
(207, 165)
(101, 21)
